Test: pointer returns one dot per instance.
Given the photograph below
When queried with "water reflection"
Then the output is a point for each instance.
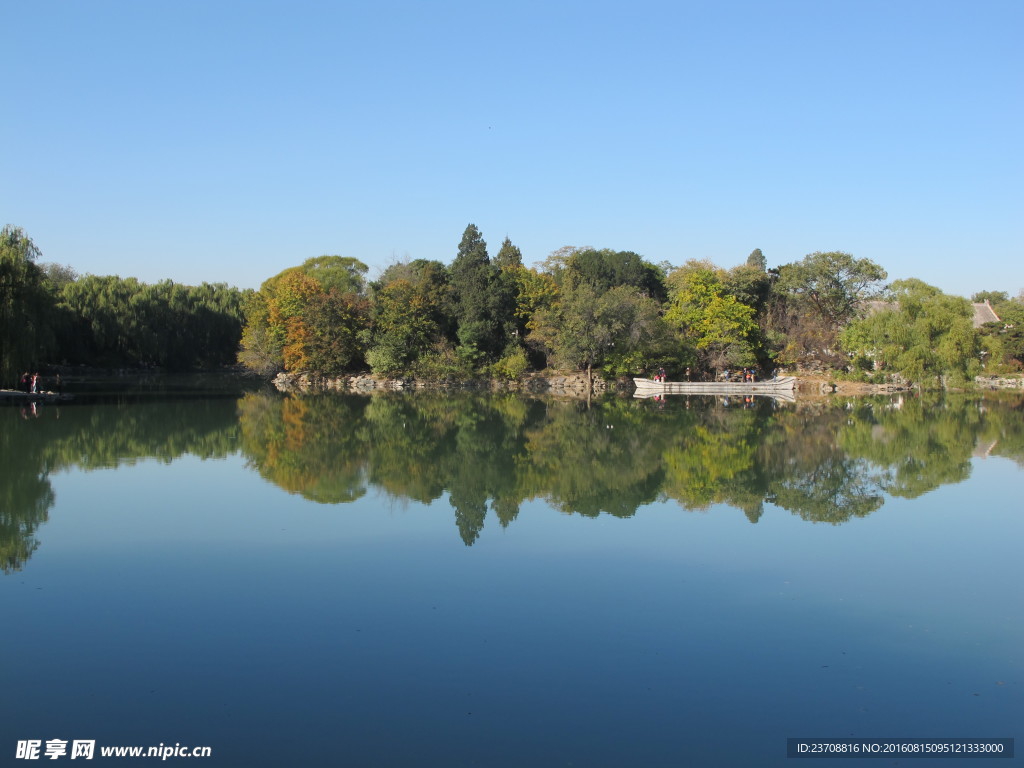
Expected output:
(34, 445)
(825, 462)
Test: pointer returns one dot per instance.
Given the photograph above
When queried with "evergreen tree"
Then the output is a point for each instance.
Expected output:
(478, 297)
(508, 256)
(606, 269)
(509, 265)
(757, 260)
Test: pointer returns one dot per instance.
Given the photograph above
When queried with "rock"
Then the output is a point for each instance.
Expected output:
(569, 385)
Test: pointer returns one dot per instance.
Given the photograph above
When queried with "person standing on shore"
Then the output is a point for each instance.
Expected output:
(35, 383)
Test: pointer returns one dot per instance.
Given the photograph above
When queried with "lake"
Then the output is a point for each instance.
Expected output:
(417, 579)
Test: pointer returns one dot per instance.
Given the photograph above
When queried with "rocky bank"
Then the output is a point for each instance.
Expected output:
(570, 384)
(575, 384)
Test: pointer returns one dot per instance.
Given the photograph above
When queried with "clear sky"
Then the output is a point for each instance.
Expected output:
(223, 141)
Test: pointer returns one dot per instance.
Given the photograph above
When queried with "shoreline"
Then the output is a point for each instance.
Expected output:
(820, 384)
(574, 384)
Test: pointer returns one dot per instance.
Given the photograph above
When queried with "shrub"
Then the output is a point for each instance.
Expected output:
(441, 363)
(384, 360)
(512, 366)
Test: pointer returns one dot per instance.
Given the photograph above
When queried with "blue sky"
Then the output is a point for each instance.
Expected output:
(223, 141)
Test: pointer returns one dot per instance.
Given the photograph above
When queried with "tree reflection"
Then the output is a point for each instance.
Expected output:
(25, 500)
(311, 446)
(36, 443)
(592, 460)
(825, 462)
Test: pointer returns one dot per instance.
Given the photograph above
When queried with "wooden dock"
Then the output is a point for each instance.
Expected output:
(17, 396)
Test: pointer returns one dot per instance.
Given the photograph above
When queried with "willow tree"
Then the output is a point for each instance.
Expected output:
(121, 321)
(926, 337)
(25, 305)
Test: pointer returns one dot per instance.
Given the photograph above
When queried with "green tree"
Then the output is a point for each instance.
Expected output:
(342, 274)
(719, 328)
(992, 297)
(757, 261)
(117, 321)
(1004, 340)
(587, 328)
(927, 337)
(535, 292)
(260, 349)
(25, 306)
(834, 284)
(413, 316)
(813, 300)
(556, 262)
(749, 285)
(405, 326)
(606, 269)
(336, 322)
(640, 337)
(107, 327)
(508, 256)
(58, 275)
(574, 331)
(509, 263)
(214, 321)
(480, 310)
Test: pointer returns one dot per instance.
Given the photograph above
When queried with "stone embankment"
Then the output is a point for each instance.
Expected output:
(999, 382)
(568, 385)
(817, 384)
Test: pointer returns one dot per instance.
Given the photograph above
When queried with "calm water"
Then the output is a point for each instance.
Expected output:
(418, 580)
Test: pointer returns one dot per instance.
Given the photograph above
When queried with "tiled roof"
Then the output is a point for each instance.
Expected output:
(983, 314)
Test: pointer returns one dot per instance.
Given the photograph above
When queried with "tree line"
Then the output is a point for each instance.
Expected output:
(51, 315)
(617, 314)
(610, 312)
